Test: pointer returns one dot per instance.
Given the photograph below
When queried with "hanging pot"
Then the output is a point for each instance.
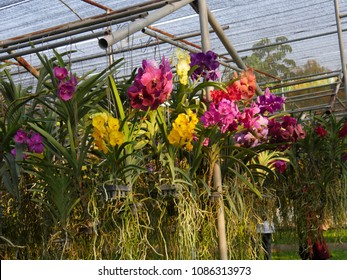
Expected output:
(117, 191)
(169, 190)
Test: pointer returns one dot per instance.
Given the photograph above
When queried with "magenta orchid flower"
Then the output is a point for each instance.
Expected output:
(66, 89)
(35, 143)
(270, 102)
(31, 141)
(60, 73)
(67, 83)
(152, 85)
(280, 165)
(21, 136)
(224, 114)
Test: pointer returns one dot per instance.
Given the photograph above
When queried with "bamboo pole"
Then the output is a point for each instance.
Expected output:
(341, 46)
(217, 174)
(226, 42)
(31, 69)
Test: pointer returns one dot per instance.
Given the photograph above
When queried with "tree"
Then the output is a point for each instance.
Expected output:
(310, 67)
(271, 59)
(307, 87)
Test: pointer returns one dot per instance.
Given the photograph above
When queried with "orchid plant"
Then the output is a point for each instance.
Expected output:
(81, 133)
(314, 184)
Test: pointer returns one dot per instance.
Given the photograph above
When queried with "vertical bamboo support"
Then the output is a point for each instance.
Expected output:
(222, 238)
(341, 46)
(217, 174)
(226, 43)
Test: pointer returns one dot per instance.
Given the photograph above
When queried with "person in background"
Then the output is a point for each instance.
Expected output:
(266, 229)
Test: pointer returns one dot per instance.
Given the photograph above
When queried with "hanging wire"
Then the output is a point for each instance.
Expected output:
(157, 47)
(72, 10)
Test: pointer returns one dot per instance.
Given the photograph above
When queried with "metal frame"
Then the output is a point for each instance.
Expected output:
(139, 18)
(136, 26)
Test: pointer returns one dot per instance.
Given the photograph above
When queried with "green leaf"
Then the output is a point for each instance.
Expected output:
(59, 58)
(185, 175)
(119, 106)
(9, 174)
(204, 85)
(245, 181)
(72, 142)
(140, 144)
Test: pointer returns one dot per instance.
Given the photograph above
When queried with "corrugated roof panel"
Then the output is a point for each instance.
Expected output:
(248, 21)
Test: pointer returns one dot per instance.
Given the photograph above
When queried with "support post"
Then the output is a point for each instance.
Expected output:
(176, 41)
(222, 237)
(341, 46)
(217, 174)
(225, 41)
(205, 35)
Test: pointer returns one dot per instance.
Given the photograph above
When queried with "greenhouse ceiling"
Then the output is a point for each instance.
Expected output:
(70, 25)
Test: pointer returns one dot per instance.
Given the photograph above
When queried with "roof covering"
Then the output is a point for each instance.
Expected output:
(309, 25)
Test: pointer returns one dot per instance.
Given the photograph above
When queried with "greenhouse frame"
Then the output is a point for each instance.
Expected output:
(173, 130)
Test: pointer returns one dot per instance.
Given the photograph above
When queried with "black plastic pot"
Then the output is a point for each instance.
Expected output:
(117, 191)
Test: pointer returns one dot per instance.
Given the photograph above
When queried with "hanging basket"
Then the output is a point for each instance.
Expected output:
(117, 191)
(169, 190)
